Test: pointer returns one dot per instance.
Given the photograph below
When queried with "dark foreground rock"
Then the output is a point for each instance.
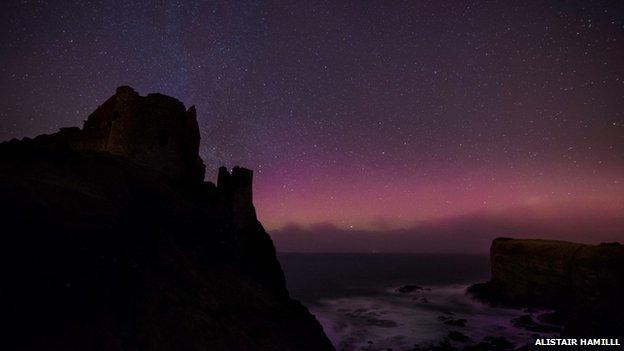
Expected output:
(583, 283)
(111, 240)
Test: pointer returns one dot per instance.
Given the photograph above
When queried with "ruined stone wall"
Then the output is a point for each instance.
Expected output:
(156, 131)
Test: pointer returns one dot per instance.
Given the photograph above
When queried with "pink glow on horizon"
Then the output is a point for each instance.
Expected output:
(354, 201)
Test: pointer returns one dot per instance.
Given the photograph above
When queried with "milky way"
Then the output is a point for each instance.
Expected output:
(362, 114)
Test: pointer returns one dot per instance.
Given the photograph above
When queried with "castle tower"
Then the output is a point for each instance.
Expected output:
(236, 188)
(154, 130)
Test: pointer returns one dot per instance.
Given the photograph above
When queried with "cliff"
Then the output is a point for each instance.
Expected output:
(584, 283)
(111, 240)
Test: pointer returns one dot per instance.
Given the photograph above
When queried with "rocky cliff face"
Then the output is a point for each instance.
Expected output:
(584, 283)
(111, 240)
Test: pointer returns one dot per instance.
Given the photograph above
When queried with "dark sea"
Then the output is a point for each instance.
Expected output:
(356, 297)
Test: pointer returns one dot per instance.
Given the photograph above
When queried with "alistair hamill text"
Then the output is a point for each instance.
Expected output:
(577, 342)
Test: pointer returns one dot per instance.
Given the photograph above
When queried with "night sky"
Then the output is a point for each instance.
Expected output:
(364, 115)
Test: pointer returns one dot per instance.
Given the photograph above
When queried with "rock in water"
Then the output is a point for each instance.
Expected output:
(111, 240)
(526, 322)
(458, 336)
(406, 289)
